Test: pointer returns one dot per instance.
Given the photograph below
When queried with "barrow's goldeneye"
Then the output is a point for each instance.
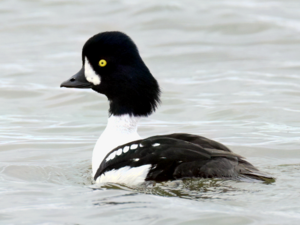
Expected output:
(111, 65)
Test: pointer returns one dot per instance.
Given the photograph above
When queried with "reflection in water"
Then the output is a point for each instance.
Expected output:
(193, 189)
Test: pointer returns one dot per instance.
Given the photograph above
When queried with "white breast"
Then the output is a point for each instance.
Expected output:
(119, 130)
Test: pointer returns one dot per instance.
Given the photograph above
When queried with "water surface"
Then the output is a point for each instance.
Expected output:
(229, 70)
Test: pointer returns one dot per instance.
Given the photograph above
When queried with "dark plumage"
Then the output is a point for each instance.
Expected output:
(181, 156)
(126, 80)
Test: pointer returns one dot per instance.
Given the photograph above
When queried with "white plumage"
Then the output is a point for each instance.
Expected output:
(119, 130)
(90, 74)
(125, 175)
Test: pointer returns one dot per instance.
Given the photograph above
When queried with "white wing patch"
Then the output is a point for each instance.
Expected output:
(90, 74)
(126, 148)
(156, 144)
(134, 146)
(125, 175)
(119, 152)
(111, 156)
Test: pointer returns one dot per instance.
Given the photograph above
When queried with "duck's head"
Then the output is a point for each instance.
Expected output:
(111, 65)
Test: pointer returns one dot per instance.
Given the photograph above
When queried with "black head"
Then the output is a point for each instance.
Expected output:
(111, 65)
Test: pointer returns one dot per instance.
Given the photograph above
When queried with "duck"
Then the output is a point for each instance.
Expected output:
(112, 66)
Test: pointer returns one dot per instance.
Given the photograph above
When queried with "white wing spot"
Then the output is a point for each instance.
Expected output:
(163, 157)
(156, 144)
(126, 148)
(137, 159)
(119, 152)
(134, 146)
(141, 145)
(112, 155)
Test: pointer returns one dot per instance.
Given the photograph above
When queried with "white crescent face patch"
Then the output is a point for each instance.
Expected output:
(90, 74)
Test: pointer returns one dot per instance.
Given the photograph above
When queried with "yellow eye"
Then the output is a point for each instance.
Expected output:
(102, 63)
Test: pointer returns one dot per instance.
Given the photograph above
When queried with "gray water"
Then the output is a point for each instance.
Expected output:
(229, 70)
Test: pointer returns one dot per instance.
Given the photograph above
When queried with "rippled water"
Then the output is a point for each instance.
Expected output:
(229, 70)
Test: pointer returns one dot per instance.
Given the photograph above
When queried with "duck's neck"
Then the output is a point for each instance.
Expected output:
(119, 130)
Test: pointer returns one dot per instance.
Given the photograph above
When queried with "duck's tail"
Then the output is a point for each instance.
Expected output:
(248, 171)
